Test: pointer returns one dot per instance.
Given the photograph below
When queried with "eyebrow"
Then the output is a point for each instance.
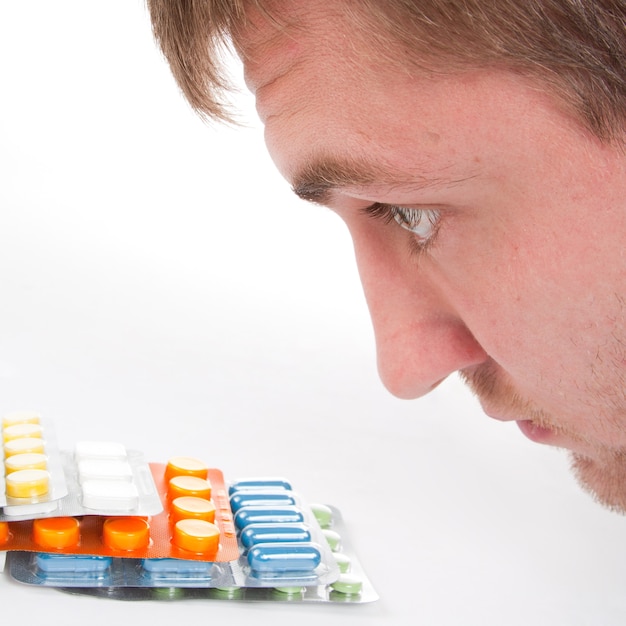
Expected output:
(319, 178)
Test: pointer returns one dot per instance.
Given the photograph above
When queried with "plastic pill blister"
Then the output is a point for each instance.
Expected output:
(279, 536)
(97, 478)
(32, 480)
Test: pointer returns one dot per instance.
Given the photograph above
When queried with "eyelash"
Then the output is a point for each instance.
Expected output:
(410, 220)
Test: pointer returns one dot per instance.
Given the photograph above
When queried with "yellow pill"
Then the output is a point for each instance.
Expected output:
(32, 460)
(195, 535)
(19, 431)
(56, 533)
(24, 445)
(189, 486)
(185, 466)
(190, 507)
(29, 483)
(20, 417)
(126, 533)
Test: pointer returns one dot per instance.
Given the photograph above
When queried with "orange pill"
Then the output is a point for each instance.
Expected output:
(4, 533)
(190, 507)
(189, 486)
(126, 533)
(185, 466)
(196, 535)
(56, 533)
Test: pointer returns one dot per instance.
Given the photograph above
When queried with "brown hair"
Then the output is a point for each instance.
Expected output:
(576, 47)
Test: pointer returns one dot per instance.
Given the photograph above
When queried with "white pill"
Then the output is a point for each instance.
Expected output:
(104, 469)
(110, 495)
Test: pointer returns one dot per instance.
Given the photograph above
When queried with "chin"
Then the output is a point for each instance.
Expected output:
(603, 476)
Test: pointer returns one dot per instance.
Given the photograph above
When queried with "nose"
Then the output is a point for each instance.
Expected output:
(420, 337)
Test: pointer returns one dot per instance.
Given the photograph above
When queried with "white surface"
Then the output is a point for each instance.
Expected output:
(162, 287)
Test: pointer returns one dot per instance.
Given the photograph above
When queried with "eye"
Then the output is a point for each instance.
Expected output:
(421, 222)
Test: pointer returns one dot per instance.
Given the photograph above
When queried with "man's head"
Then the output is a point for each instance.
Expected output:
(475, 152)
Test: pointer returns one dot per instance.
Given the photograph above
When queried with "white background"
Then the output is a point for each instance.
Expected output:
(161, 286)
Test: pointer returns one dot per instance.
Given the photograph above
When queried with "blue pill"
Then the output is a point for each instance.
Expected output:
(254, 534)
(261, 497)
(72, 563)
(179, 567)
(267, 515)
(280, 558)
(259, 483)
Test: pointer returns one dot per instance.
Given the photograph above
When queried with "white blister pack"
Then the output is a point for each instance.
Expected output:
(97, 478)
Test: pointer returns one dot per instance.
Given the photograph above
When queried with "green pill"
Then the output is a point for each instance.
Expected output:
(287, 594)
(323, 514)
(343, 561)
(289, 590)
(167, 593)
(226, 593)
(333, 538)
(347, 584)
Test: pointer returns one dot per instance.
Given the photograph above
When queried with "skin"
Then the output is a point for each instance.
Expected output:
(522, 287)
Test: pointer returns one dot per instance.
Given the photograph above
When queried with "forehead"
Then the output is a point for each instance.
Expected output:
(318, 84)
(303, 42)
(325, 96)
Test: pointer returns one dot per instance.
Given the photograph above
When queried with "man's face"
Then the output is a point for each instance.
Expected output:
(514, 272)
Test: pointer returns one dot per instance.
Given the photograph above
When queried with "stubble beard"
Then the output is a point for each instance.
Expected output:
(600, 470)
(603, 477)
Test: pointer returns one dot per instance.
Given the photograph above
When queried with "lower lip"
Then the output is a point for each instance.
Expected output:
(535, 433)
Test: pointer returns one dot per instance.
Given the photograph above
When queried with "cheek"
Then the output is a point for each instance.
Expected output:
(520, 293)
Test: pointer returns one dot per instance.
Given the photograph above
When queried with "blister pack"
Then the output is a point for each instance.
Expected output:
(32, 480)
(279, 536)
(98, 478)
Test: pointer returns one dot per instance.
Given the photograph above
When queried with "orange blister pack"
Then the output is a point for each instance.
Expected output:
(196, 523)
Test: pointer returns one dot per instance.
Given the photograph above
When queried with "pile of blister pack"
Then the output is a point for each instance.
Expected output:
(100, 520)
